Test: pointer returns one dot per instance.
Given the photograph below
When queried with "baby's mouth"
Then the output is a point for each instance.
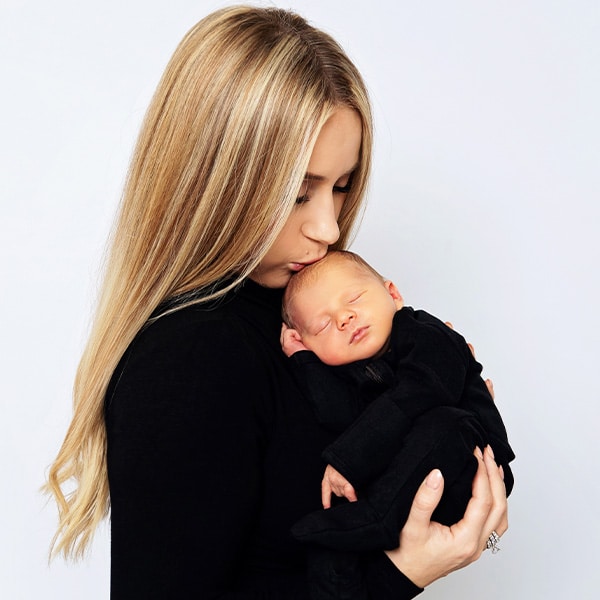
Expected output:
(358, 334)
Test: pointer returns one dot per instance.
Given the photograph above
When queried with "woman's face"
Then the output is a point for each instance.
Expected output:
(312, 227)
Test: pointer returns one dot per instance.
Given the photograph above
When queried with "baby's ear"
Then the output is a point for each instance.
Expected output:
(394, 293)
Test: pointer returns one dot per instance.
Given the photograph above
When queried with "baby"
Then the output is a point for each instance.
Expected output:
(402, 389)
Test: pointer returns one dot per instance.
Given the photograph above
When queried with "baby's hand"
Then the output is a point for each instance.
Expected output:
(334, 481)
(290, 339)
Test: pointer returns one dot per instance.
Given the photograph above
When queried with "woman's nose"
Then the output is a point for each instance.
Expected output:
(321, 224)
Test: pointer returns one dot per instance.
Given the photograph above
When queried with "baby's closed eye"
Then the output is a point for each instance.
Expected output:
(322, 326)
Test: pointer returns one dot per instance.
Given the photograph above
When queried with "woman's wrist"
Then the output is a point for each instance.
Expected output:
(415, 570)
(386, 582)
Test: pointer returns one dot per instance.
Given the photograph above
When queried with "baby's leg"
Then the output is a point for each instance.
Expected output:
(443, 438)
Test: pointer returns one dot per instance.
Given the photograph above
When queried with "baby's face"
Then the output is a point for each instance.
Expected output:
(346, 313)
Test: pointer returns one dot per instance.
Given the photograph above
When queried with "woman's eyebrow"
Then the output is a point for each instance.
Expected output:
(315, 177)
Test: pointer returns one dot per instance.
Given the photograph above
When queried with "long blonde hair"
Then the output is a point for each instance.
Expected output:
(218, 164)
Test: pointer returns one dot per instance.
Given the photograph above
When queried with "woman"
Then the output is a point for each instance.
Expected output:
(252, 161)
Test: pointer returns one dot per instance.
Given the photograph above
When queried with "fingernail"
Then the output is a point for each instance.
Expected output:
(478, 452)
(502, 472)
(489, 449)
(434, 479)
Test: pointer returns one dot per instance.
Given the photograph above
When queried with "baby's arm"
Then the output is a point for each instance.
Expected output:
(334, 482)
(334, 401)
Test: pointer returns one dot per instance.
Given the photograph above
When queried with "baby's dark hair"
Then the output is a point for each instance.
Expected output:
(310, 273)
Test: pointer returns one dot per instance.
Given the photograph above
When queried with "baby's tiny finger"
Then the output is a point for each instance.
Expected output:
(350, 493)
(325, 494)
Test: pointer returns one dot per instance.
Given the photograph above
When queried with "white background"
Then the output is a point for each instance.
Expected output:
(484, 208)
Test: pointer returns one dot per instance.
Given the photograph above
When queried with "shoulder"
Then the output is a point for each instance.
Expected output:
(407, 316)
(192, 335)
(189, 357)
(410, 319)
(422, 329)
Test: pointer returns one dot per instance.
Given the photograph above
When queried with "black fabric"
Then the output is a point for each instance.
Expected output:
(425, 406)
(213, 454)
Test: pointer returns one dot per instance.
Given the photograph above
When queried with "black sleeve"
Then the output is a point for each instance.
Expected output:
(386, 582)
(335, 574)
(334, 400)
(184, 463)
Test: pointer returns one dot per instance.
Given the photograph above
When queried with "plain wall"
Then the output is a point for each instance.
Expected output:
(484, 209)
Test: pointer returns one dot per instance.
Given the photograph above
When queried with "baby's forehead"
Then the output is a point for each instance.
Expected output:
(343, 268)
(341, 275)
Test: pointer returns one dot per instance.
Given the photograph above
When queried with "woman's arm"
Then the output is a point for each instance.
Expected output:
(428, 550)
(184, 458)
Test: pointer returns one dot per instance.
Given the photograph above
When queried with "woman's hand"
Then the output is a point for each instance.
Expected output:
(334, 482)
(429, 550)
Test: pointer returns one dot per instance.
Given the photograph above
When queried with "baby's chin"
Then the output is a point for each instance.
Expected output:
(328, 359)
(338, 361)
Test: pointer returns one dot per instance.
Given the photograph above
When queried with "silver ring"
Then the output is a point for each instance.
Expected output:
(492, 542)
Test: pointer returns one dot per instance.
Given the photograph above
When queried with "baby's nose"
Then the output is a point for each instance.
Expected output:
(345, 319)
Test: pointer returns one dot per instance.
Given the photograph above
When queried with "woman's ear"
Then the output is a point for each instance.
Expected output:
(394, 293)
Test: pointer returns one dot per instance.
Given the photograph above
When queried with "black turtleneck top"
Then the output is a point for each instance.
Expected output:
(213, 454)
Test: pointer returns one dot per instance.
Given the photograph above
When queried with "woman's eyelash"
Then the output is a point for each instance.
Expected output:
(337, 189)
(344, 189)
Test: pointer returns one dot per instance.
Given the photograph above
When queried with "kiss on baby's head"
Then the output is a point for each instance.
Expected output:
(341, 308)
(312, 274)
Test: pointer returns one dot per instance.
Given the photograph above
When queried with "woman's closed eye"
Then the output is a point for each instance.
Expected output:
(344, 189)
(304, 193)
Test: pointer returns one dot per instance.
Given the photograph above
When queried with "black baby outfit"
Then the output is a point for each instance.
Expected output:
(422, 405)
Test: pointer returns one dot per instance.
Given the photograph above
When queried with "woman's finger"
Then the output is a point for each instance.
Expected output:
(426, 499)
(498, 518)
(473, 527)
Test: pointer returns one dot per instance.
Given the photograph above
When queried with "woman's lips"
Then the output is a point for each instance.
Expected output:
(297, 266)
